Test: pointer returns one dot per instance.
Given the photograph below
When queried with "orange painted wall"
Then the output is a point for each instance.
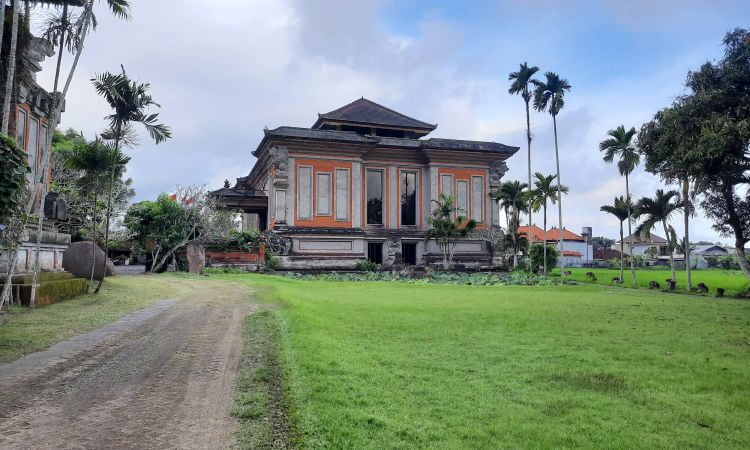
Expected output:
(326, 166)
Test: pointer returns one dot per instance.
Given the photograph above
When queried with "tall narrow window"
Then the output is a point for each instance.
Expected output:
(446, 184)
(408, 198)
(21, 129)
(33, 145)
(342, 194)
(304, 193)
(477, 198)
(374, 188)
(462, 197)
(323, 194)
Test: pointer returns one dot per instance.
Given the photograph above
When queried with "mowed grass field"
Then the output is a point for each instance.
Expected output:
(734, 282)
(394, 365)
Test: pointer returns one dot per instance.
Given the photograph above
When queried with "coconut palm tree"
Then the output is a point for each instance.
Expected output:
(659, 210)
(622, 210)
(95, 160)
(521, 80)
(619, 145)
(513, 199)
(550, 96)
(544, 191)
(130, 103)
(84, 23)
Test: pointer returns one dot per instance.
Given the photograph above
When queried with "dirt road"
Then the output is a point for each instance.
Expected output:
(162, 377)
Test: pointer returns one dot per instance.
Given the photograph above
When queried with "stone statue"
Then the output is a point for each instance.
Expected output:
(497, 171)
(280, 160)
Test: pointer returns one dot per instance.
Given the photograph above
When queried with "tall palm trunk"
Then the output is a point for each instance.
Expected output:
(118, 132)
(630, 234)
(46, 153)
(686, 208)
(544, 250)
(11, 73)
(93, 239)
(622, 255)
(528, 147)
(2, 21)
(559, 200)
(670, 249)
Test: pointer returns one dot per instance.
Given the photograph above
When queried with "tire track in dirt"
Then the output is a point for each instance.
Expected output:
(166, 381)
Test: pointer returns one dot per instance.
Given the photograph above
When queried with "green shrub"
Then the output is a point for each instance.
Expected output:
(537, 257)
(224, 269)
(272, 262)
(435, 277)
(366, 266)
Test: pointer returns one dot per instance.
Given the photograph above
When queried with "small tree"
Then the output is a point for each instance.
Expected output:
(171, 222)
(538, 256)
(448, 227)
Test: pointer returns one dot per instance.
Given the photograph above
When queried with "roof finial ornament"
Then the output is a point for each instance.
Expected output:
(226, 184)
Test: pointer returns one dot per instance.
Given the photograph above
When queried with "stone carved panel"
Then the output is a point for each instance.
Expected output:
(497, 171)
(280, 160)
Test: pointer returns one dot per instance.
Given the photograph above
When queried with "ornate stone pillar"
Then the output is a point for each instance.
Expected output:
(496, 173)
(280, 183)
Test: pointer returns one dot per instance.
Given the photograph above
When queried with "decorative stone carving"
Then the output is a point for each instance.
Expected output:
(497, 171)
(280, 160)
(392, 253)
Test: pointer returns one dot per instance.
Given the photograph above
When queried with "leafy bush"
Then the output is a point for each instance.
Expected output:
(435, 277)
(366, 266)
(537, 257)
(272, 262)
(13, 170)
(224, 269)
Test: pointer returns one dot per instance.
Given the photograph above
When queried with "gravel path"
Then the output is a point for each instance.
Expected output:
(162, 377)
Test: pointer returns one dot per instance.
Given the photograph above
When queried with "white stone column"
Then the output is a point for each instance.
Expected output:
(291, 191)
(356, 195)
(393, 203)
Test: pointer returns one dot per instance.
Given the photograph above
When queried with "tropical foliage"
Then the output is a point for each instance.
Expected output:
(549, 95)
(542, 257)
(521, 81)
(658, 211)
(448, 227)
(704, 136)
(130, 103)
(622, 210)
(545, 191)
(13, 172)
(513, 198)
(163, 226)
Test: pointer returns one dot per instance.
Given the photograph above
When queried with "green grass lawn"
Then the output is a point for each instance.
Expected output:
(25, 331)
(733, 281)
(392, 365)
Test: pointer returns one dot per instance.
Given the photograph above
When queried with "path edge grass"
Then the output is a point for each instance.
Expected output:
(263, 403)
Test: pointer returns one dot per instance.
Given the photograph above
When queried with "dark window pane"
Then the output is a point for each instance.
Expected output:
(408, 198)
(375, 252)
(374, 197)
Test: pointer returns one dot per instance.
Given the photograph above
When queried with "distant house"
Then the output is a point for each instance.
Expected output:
(703, 256)
(578, 251)
(605, 254)
(654, 246)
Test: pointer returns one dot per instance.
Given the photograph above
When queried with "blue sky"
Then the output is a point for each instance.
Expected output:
(225, 72)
